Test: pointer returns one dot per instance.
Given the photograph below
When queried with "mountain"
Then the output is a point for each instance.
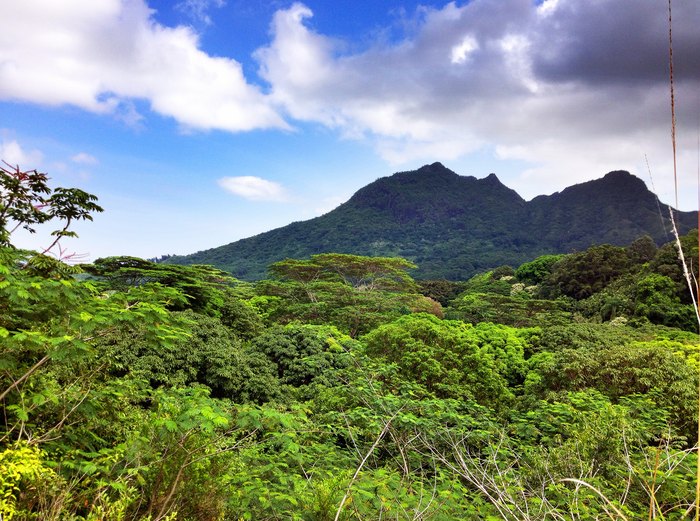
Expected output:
(453, 226)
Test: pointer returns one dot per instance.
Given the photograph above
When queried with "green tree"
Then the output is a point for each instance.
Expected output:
(441, 290)
(350, 292)
(516, 310)
(453, 359)
(366, 273)
(642, 250)
(667, 262)
(656, 298)
(534, 272)
(203, 287)
(302, 353)
(210, 354)
(26, 200)
(580, 275)
(618, 371)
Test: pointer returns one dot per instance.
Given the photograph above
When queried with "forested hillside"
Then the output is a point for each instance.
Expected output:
(340, 388)
(454, 226)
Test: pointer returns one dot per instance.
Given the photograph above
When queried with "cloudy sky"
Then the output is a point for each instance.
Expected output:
(201, 122)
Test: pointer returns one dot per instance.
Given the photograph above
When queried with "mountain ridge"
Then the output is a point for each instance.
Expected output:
(453, 226)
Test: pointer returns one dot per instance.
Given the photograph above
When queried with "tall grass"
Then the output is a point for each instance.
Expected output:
(692, 284)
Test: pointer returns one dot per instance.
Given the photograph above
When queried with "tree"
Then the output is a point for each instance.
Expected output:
(537, 270)
(303, 354)
(656, 298)
(580, 275)
(26, 200)
(666, 262)
(351, 292)
(441, 290)
(202, 286)
(618, 371)
(366, 273)
(452, 359)
(642, 250)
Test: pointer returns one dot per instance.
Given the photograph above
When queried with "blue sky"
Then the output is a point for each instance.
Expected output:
(200, 122)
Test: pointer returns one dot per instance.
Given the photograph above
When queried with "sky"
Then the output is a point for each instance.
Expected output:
(201, 122)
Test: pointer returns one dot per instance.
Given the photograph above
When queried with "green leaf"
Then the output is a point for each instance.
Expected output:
(38, 399)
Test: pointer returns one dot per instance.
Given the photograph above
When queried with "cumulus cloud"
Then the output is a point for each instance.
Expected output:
(573, 88)
(12, 153)
(420, 89)
(101, 56)
(254, 188)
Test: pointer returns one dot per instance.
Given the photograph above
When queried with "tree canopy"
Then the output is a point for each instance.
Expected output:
(565, 388)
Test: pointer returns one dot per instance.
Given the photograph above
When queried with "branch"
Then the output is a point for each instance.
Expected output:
(362, 463)
(607, 501)
(25, 376)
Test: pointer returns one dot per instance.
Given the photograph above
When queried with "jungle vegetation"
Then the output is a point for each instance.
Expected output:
(340, 388)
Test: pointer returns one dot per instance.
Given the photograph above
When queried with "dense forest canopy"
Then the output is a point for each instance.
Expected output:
(340, 388)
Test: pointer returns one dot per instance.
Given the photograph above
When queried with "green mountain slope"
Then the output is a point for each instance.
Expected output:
(452, 226)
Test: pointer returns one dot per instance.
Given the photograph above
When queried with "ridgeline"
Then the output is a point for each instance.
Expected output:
(454, 226)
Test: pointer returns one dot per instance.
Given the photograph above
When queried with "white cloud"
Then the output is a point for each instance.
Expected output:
(101, 56)
(418, 90)
(547, 7)
(254, 188)
(12, 153)
(461, 52)
(198, 9)
(499, 74)
(572, 88)
(83, 158)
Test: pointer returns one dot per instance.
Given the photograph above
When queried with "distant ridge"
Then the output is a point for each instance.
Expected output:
(453, 226)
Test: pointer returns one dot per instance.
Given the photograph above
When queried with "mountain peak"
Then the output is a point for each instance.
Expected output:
(435, 169)
(453, 226)
(431, 193)
(624, 181)
(492, 180)
(436, 166)
(615, 185)
(618, 174)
